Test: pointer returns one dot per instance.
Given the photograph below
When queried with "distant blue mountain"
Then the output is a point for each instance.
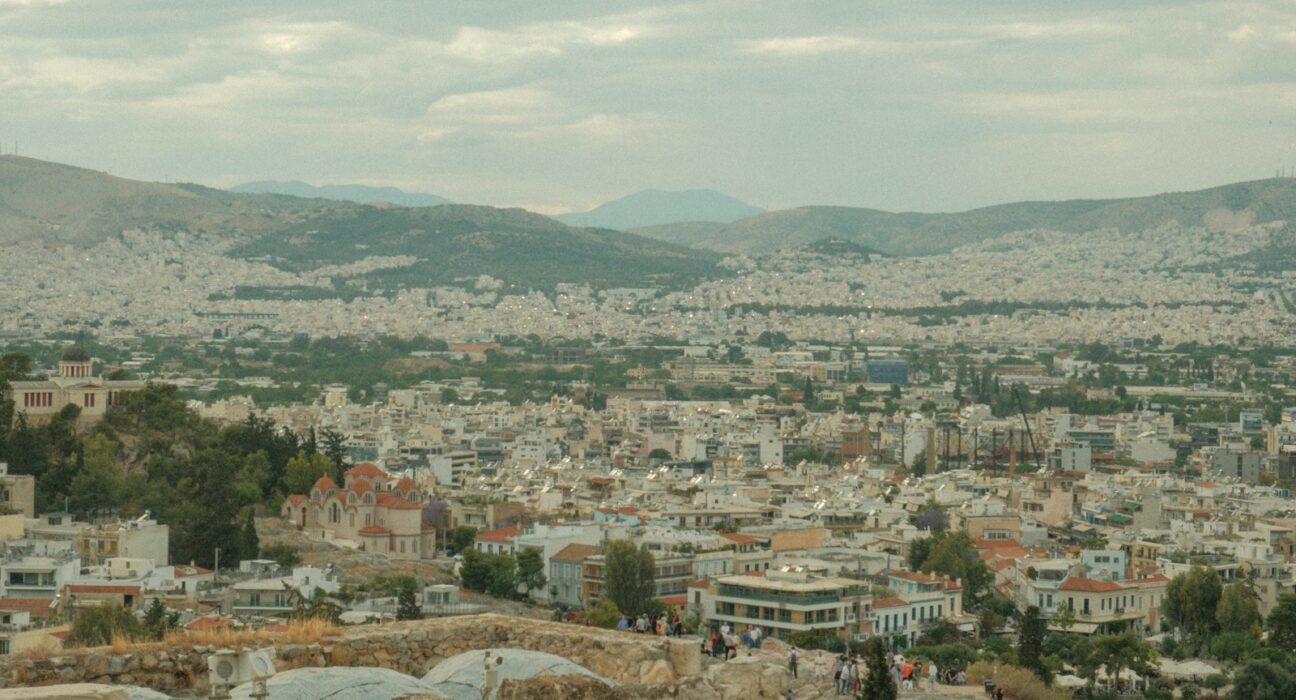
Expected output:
(656, 207)
(347, 193)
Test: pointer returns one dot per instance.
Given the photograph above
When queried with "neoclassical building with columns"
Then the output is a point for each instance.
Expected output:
(75, 383)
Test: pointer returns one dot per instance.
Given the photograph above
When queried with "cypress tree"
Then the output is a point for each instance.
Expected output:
(878, 684)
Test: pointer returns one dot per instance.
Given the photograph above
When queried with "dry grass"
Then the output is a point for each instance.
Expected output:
(40, 653)
(1017, 682)
(297, 632)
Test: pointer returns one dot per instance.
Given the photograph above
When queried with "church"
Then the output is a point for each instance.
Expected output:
(74, 384)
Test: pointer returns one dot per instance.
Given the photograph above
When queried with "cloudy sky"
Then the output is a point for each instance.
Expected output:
(916, 105)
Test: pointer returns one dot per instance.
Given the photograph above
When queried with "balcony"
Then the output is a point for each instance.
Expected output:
(741, 595)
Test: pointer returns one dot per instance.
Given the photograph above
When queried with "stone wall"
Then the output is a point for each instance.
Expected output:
(408, 647)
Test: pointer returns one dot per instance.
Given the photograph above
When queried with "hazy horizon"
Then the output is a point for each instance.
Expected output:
(929, 106)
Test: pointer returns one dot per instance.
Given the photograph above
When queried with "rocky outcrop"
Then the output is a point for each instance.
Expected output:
(409, 647)
(76, 691)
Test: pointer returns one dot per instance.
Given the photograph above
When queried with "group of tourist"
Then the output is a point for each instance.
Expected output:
(846, 674)
(908, 675)
(660, 625)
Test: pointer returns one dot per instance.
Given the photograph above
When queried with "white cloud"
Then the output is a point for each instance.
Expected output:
(803, 45)
(550, 39)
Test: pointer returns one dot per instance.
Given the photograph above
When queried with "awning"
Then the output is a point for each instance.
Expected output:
(1078, 628)
(1120, 518)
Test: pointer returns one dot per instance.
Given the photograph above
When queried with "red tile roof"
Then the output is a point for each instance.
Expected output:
(397, 503)
(324, 484)
(365, 469)
(359, 488)
(739, 538)
(374, 530)
(574, 552)
(1080, 584)
(503, 534)
(296, 499)
(405, 484)
(889, 602)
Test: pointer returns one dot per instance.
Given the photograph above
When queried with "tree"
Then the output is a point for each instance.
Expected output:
(629, 576)
(1064, 618)
(1264, 680)
(249, 547)
(474, 573)
(919, 550)
(1031, 644)
(286, 555)
(99, 625)
(503, 580)
(1237, 611)
(303, 471)
(955, 555)
(808, 393)
(530, 569)
(878, 684)
(933, 518)
(333, 445)
(460, 539)
(158, 620)
(1117, 652)
(407, 605)
(1190, 602)
(97, 489)
(604, 613)
(316, 607)
(1281, 622)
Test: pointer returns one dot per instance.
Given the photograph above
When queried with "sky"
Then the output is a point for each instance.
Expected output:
(918, 105)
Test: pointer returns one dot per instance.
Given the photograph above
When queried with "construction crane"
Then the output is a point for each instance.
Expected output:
(1021, 407)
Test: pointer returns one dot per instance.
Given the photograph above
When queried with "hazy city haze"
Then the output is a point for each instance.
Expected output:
(560, 107)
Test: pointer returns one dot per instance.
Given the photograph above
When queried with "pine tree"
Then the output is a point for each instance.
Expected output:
(156, 619)
(1031, 644)
(249, 545)
(878, 684)
(407, 605)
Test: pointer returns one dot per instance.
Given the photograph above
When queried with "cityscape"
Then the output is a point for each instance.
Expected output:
(1024, 430)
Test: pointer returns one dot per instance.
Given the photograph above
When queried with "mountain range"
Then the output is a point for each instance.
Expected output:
(658, 207)
(54, 204)
(362, 194)
(911, 233)
(57, 203)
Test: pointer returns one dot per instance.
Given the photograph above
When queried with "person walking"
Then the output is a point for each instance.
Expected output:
(838, 667)
(933, 674)
(792, 661)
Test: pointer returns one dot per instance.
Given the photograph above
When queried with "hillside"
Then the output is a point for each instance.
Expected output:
(361, 194)
(57, 203)
(656, 207)
(457, 242)
(919, 234)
